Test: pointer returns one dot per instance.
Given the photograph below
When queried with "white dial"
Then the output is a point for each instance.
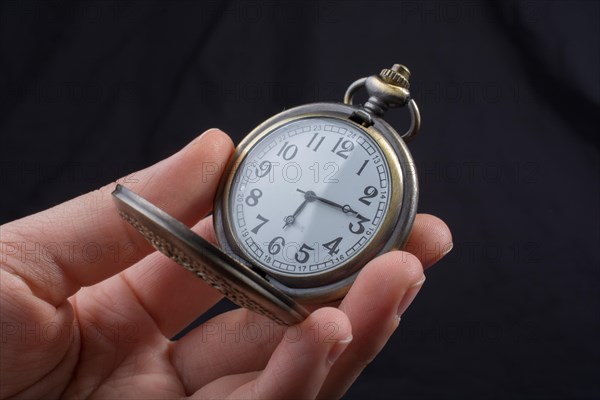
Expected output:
(309, 196)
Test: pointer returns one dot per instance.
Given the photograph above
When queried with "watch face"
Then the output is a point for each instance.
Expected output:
(309, 196)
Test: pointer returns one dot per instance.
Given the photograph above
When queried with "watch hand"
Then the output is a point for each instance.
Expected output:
(291, 218)
(310, 195)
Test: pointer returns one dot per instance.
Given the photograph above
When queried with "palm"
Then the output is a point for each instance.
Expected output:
(124, 351)
(77, 325)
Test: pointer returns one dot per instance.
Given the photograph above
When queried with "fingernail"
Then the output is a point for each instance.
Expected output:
(409, 296)
(199, 138)
(447, 249)
(337, 349)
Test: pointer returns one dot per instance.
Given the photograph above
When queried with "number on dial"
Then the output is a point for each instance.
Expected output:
(333, 246)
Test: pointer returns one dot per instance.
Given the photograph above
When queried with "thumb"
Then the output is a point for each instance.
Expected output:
(84, 241)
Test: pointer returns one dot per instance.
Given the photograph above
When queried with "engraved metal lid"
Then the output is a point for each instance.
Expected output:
(237, 282)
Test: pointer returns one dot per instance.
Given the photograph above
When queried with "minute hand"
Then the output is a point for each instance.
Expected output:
(345, 208)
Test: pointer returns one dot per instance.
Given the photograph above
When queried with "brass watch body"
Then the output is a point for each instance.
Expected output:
(330, 285)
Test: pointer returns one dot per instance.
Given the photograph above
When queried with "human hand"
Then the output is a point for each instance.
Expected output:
(87, 308)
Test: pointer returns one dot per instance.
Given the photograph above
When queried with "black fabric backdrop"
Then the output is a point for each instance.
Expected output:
(508, 154)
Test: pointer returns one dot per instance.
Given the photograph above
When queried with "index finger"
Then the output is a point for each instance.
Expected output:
(84, 241)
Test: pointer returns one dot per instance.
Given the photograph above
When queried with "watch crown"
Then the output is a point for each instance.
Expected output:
(398, 75)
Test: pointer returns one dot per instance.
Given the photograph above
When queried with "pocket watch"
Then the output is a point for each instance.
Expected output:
(308, 198)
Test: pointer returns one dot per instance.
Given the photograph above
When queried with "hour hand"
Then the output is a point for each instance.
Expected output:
(291, 218)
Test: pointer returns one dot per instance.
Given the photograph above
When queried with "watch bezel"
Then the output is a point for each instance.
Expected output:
(392, 233)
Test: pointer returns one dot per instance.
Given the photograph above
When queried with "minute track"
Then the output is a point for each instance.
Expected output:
(284, 162)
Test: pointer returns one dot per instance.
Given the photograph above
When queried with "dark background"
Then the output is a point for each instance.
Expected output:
(508, 154)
